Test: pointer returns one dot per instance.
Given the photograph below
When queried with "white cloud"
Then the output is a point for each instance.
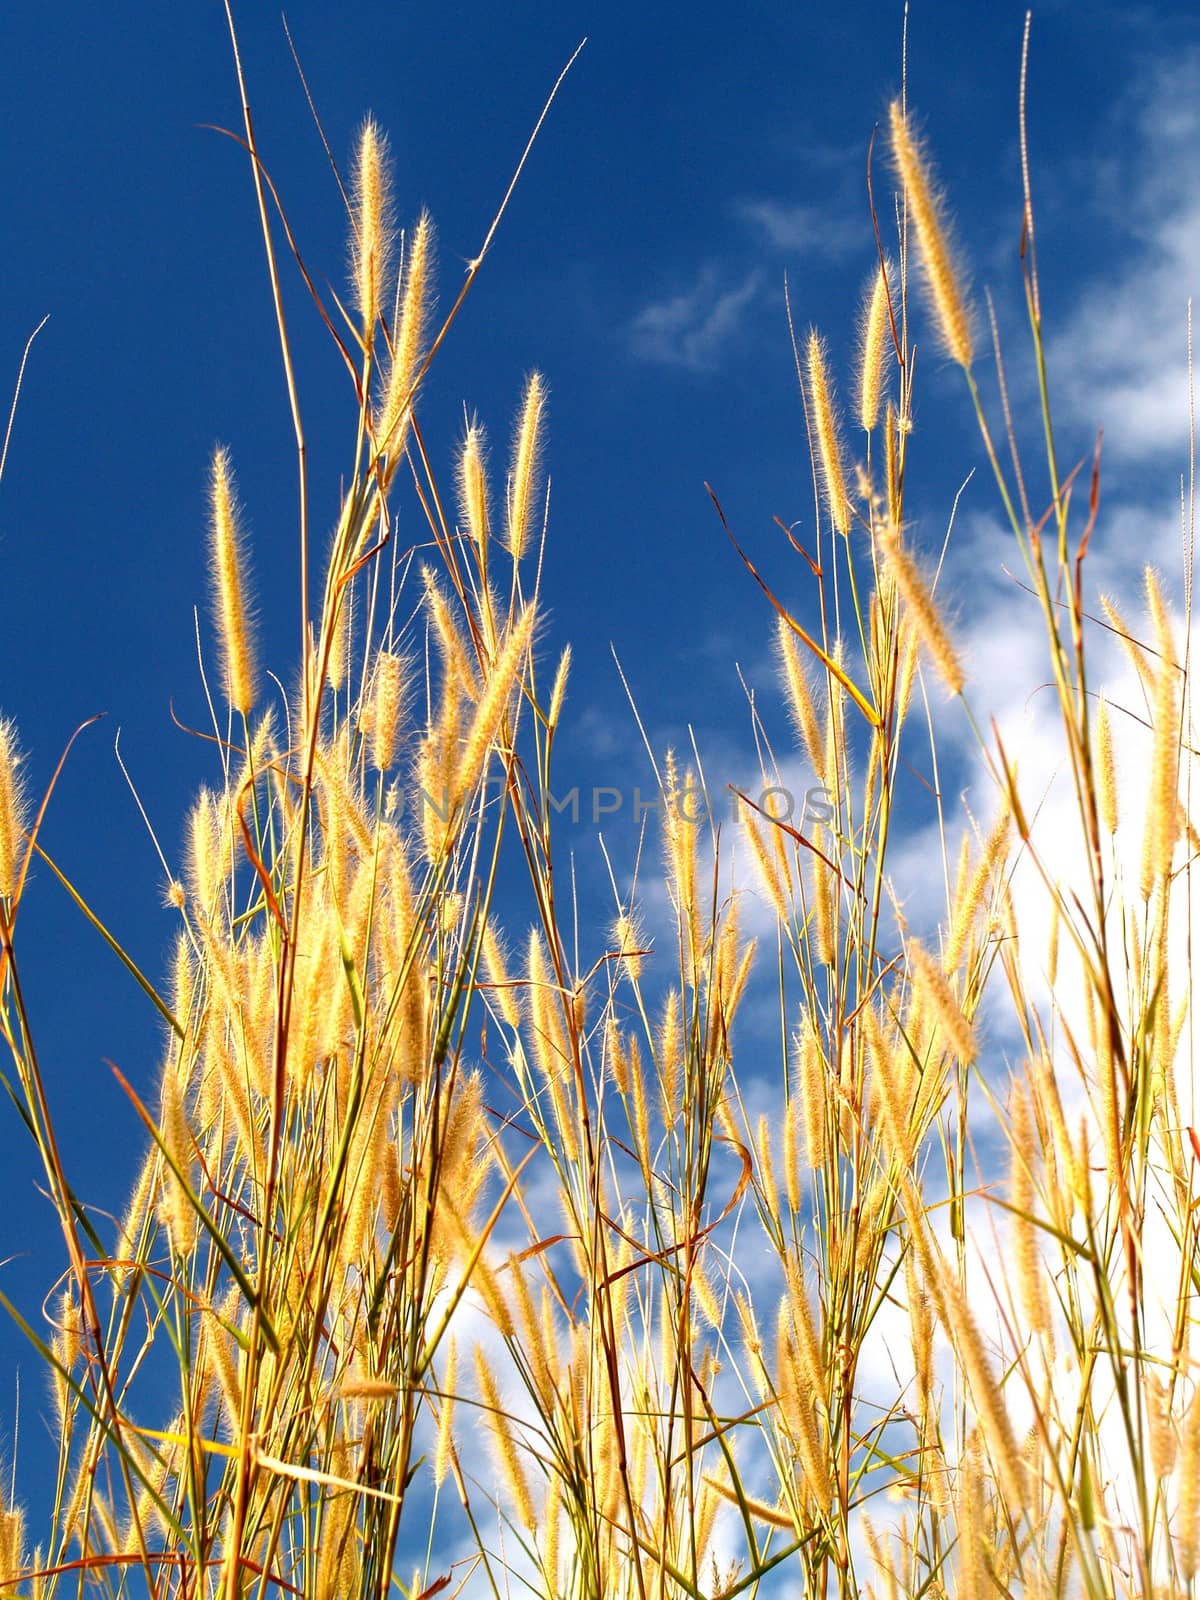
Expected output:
(810, 230)
(1120, 359)
(694, 328)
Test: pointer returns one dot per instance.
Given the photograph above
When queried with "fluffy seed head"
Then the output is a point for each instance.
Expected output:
(803, 708)
(559, 691)
(385, 718)
(472, 486)
(12, 1541)
(874, 348)
(505, 673)
(1162, 813)
(227, 560)
(1106, 770)
(371, 244)
(408, 345)
(445, 1417)
(825, 426)
(508, 1456)
(13, 809)
(628, 941)
(942, 280)
(926, 618)
(931, 984)
(176, 1209)
(523, 488)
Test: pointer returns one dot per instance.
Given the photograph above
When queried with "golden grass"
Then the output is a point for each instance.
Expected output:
(733, 1328)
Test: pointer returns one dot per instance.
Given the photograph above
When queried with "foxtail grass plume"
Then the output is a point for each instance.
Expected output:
(227, 559)
(771, 862)
(444, 1449)
(1029, 1273)
(508, 1455)
(523, 483)
(1162, 812)
(473, 488)
(800, 698)
(494, 701)
(13, 809)
(408, 346)
(931, 984)
(373, 224)
(922, 609)
(12, 1541)
(1187, 1518)
(385, 714)
(825, 425)
(874, 348)
(942, 278)
(558, 692)
(1106, 769)
(627, 940)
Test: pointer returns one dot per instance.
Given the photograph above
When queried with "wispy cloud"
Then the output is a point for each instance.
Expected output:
(694, 327)
(1121, 360)
(802, 229)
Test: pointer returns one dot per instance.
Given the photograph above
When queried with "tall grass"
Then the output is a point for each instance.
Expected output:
(429, 1165)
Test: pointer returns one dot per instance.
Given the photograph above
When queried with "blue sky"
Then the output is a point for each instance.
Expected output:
(691, 161)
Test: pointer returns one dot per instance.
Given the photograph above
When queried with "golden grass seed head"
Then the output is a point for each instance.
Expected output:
(444, 1447)
(800, 697)
(388, 698)
(798, 1412)
(772, 863)
(768, 1187)
(224, 1351)
(14, 809)
(988, 1400)
(1160, 1425)
(972, 890)
(559, 691)
(515, 1482)
(503, 678)
(794, 1161)
(1162, 811)
(452, 647)
(495, 965)
(825, 426)
(920, 1316)
(973, 1581)
(1030, 1274)
(177, 1211)
(227, 560)
(891, 464)
(373, 223)
(437, 761)
(922, 608)
(875, 347)
(616, 1056)
(12, 1545)
(669, 1047)
(394, 415)
(340, 633)
(1187, 1516)
(1106, 769)
(207, 853)
(524, 479)
(930, 980)
(627, 941)
(683, 808)
(473, 487)
(943, 279)
(812, 1075)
